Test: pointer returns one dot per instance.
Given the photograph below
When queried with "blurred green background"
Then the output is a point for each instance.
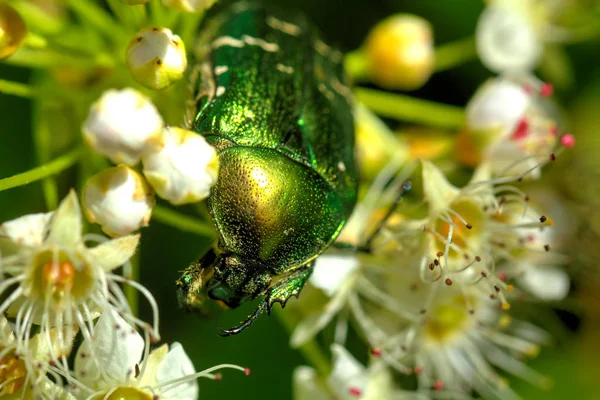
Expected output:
(572, 361)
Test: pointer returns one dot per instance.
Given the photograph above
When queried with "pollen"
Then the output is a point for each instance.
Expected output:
(12, 374)
(59, 275)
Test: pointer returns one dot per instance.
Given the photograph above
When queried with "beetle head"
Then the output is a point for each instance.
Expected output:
(236, 280)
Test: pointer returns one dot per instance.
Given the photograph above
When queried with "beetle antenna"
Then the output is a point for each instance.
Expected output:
(406, 186)
(262, 306)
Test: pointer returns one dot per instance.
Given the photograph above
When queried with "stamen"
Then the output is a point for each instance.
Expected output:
(567, 140)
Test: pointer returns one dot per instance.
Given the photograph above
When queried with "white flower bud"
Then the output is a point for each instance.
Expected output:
(12, 31)
(184, 170)
(189, 5)
(400, 52)
(119, 199)
(123, 125)
(506, 38)
(156, 58)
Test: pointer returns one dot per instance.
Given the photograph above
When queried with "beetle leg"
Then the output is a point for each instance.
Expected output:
(235, 330)
(289, 286)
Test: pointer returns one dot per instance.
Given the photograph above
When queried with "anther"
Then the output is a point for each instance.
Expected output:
(543, 219)
(438, 385)
(354, 391)
(478, 259)
(218, 376)
(247, 371)
(431, 266)
(436, 262)
(552, 157)
(439, 254)
(469, 226)
(547, 247)
(497, 289)
(483, 274)
(546, 90)
(448, 281)
(567, 140)
(376, 351)
(522, 129)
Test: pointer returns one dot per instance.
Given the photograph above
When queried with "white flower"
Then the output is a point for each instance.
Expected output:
(12, 31)
(400, 52)
(189, 5)
(119, 199)
(509, 126)
(53, 279)
(349, 380)
(184, 170)
(123, 125)
(506, 36)
(156, 58)
(109, 365)
(23, 366)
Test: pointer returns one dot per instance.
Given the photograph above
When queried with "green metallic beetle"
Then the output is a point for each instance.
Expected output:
(269, 96)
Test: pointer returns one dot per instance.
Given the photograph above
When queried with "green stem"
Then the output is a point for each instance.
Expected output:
(132, 16)
(92, 14)
(18, 89)
(356, 64)
(410, 109)
(453, 54)
(311, 350)
(43, 171)
(188, 25)
(46, 58)
(42, 138)
(158, 12)
(36, 41)
(131, 293)
(182, 222)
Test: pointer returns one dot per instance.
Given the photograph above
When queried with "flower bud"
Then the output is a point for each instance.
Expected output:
(123, 125)
(507, 123)
(506, 39)
(184, 170)
(156, 58)
(189, 5)
(400, 52)
(118, 199)
(12, 31)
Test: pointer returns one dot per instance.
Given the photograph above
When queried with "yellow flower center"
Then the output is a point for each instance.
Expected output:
(56, 278)
(12, 374)
(126, 393)
(467, 238)
(448, 321)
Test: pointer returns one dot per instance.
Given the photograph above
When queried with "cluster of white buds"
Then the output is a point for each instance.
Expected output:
(178, 164)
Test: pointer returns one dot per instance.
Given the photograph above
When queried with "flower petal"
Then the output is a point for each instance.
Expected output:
(152, 362)
(438, 192)
(313, 323)
(115, 348)
(349, 377)
(28, 230)
(175, 365)
(65, 227)
(114, 253)
(305, 385)
(547, 283)
(331, 271)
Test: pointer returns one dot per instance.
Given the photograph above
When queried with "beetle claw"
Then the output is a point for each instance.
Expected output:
(246, 323)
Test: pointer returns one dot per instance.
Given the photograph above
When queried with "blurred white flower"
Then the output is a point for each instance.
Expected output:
(123, 125)
(115, 363)
(53, 279)
(156, 58)
(509, 127)
(349, 380)
(506, 35)
(400, 52)
(184, 170)
(119, 199)
(189, 5)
